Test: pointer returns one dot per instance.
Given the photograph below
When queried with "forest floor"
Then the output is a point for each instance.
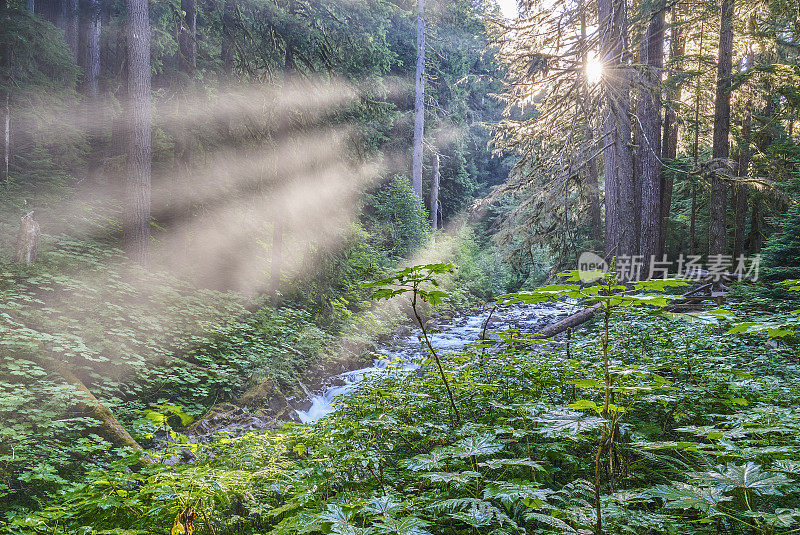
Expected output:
(705, 419)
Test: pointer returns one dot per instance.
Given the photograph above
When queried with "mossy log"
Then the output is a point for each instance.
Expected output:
(110, 428)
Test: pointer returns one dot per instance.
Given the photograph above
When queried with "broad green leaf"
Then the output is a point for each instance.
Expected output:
(509, 492)
(684, 496)
(551, 521)
(477, 446)
(474, 517)
(568, 423)
(747, 476)
(461, 478)
(408, 525)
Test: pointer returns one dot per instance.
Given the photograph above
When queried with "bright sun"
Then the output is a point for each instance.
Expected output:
(594, 69)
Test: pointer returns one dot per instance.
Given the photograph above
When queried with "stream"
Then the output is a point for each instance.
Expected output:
(406, 348)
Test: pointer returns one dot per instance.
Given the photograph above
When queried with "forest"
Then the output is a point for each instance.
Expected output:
(410, 267)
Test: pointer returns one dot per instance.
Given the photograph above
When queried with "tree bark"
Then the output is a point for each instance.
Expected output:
(69, 23)
(649, 142)
(187, 63)
(89, 61)
(108, 55)
(740, 190)
(276, 265)
(434, 198)
(136, 223)
(59, 13)
(670, 136)
(590, 176)
(6, 66)
(228, 36)
(693, 221)
(419, 104)
(754, 240)
(89, 57)
(5, 101)
(113, 65)
(617, 156)
(721, 148)
(593, 192)
(187, 39)
(696, 145)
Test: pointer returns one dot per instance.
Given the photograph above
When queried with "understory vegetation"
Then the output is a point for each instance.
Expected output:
(661, 422)
(277, 267)
(84, 327)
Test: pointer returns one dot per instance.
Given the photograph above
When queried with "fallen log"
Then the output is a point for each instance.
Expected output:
(110, 428)
(699, 289)
(569, 322)
(700, 294)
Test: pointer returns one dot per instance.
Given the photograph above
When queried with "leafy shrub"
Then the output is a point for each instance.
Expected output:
(332, 290)
(780, 260)
(136, 340)
(397, 217)
(781, 253)
(704, 441)
(481, 273)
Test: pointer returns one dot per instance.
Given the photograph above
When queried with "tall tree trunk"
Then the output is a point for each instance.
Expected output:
(187, 39)
(89, 57)
(617, 156)
(68, 21)
(27, 240)
(740, 193)
(187, 62)
(434, 198)
(48, 10)
(696, 145)
(593, 192)
(113, 66)
(116, 54)
(669, 150)
(6, 85)
(108, 46)
(693, 221)
(754, 240)
(721, 148)
(89, 61)
(136, 223)
(276, 265)
(6, 65)
(649, 126)
(60, 13)
(228, 36)
(419, 103)
(591, 175)
(741, 190)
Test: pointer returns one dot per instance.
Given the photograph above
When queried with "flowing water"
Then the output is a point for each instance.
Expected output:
(460, 331)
